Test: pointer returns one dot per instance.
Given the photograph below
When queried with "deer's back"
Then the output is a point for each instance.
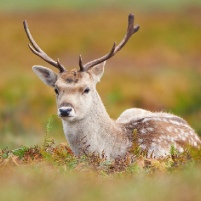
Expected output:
(157, 132)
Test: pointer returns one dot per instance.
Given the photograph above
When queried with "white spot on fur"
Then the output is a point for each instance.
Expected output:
(179, 135)
(143, 146)
(147, 123)
(183, 138)
(165, 120)
(187, 126)
(158, 119)
(150, 129)
(140, 140)
(180, 149)
(172, 139)
(175, 122)
(197, 138)
(183, 133)
(159, 140)
(191, 133)
(169, 129)
(145, 120)
(153, 145)
(143, 131)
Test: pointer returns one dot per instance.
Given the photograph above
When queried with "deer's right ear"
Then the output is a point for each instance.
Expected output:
(46, 75)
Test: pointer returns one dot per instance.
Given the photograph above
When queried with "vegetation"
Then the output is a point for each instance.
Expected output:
(159, 69)
(51, 172)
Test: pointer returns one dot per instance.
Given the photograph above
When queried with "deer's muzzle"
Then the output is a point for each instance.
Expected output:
(66, 111)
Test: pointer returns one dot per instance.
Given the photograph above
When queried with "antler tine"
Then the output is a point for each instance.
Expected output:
(97, 61)
(130, 31)
(39, 52)
(80, 64)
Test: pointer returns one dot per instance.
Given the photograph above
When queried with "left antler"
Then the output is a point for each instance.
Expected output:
(38, 51)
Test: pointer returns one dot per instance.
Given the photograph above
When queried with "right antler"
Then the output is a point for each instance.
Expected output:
(38, 51)
(130, 31)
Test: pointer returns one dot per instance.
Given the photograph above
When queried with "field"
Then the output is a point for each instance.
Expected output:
(159, 70)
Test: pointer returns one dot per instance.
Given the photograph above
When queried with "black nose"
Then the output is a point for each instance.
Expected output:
(64, 112)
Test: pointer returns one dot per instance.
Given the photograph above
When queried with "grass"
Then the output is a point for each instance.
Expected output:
(51, 172)
(159, 69)
(82, 188)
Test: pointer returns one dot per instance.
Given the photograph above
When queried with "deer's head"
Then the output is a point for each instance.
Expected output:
(76, 89)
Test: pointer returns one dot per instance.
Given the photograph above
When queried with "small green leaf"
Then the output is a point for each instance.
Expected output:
(20, 151)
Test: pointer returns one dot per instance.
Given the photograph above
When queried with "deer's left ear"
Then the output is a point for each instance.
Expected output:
(97, 71)
(46, 75)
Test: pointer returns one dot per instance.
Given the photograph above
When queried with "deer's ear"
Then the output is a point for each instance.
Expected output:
(46, 75)
(97, 71)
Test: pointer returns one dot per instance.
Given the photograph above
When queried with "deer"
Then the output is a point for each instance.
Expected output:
(88, 127)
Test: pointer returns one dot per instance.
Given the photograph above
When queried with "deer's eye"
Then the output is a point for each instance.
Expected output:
(56, 91)
(86, 91)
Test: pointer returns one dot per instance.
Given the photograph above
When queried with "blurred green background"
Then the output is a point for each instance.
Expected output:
(159, 69)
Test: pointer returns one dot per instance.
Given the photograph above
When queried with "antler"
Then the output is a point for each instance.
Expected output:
(130, 31)
(38, 51)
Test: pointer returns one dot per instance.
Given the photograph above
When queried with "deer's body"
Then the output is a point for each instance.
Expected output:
(89, 129)
(86, 123)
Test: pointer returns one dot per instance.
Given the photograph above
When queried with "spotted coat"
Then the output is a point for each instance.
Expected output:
(156, 135)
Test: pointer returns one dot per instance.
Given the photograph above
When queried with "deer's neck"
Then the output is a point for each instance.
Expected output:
(96, 133)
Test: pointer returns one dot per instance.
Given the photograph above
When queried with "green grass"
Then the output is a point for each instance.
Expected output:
(54, 185)
(51, 172)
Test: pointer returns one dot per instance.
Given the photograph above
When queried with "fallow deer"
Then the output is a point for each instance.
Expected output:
(86, 124)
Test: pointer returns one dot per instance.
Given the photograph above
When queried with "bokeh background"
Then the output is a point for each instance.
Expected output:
(159, 69)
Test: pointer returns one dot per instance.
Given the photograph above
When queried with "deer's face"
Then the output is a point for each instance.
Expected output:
(74, 90)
